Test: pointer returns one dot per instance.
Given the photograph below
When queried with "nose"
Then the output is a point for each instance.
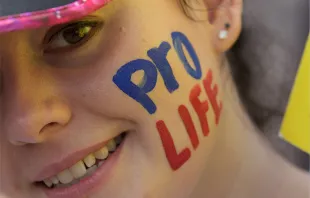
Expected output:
(33, 109)
(34, 124)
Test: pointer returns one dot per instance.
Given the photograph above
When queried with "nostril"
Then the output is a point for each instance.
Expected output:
(51, 124)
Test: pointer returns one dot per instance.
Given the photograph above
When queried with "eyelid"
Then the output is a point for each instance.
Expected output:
(96, 24)
(58, 28)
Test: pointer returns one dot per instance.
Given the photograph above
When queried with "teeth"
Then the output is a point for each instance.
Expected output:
(90, 160)
(54, 180)
(102, 153)
(67, 185)
(65, 177)
(90, 171)
(111, 145)
(83, 168)
(48, 183)
(62, 185)
(78, 170)
(100, 163)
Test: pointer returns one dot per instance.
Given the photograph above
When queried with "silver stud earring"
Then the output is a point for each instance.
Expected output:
(224, 33)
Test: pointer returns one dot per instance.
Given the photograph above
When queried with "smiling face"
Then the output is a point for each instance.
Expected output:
(69, 91)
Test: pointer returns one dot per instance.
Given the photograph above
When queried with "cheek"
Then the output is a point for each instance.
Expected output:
(160, 94)
(207, 109)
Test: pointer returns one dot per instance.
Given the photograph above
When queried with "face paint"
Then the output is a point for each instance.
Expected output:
(159, 56)
(140, 93)
(177, 160)
(180, 40)
(189, 125)
(201, 109)
(212, 94)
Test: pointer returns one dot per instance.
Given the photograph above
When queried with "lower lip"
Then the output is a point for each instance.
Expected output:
(91, 183)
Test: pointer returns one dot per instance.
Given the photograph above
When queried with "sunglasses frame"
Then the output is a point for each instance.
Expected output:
(50, 17)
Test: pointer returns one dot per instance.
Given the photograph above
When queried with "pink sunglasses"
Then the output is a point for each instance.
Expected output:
(31, 14)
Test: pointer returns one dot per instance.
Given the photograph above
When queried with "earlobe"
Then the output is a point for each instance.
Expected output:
(225, 18)
(224, 33)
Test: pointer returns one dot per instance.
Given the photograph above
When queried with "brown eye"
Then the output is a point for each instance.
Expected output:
(74, 35)
(70, 36)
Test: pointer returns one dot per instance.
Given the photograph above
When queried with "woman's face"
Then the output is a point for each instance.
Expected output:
(139, 68)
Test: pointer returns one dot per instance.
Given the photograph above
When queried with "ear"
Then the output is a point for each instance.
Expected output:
(221, 14)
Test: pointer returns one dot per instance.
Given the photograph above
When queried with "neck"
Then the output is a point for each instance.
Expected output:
(244, 165)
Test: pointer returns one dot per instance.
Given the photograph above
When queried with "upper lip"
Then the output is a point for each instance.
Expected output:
(66, 162)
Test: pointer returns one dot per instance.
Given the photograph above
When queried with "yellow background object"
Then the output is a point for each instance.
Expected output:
(296, 124)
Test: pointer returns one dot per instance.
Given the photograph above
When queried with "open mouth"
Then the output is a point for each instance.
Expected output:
(84, 168)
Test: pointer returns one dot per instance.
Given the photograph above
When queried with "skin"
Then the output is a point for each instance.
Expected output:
(74, 91)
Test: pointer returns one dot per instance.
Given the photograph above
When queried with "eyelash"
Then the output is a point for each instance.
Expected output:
(57, 33)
